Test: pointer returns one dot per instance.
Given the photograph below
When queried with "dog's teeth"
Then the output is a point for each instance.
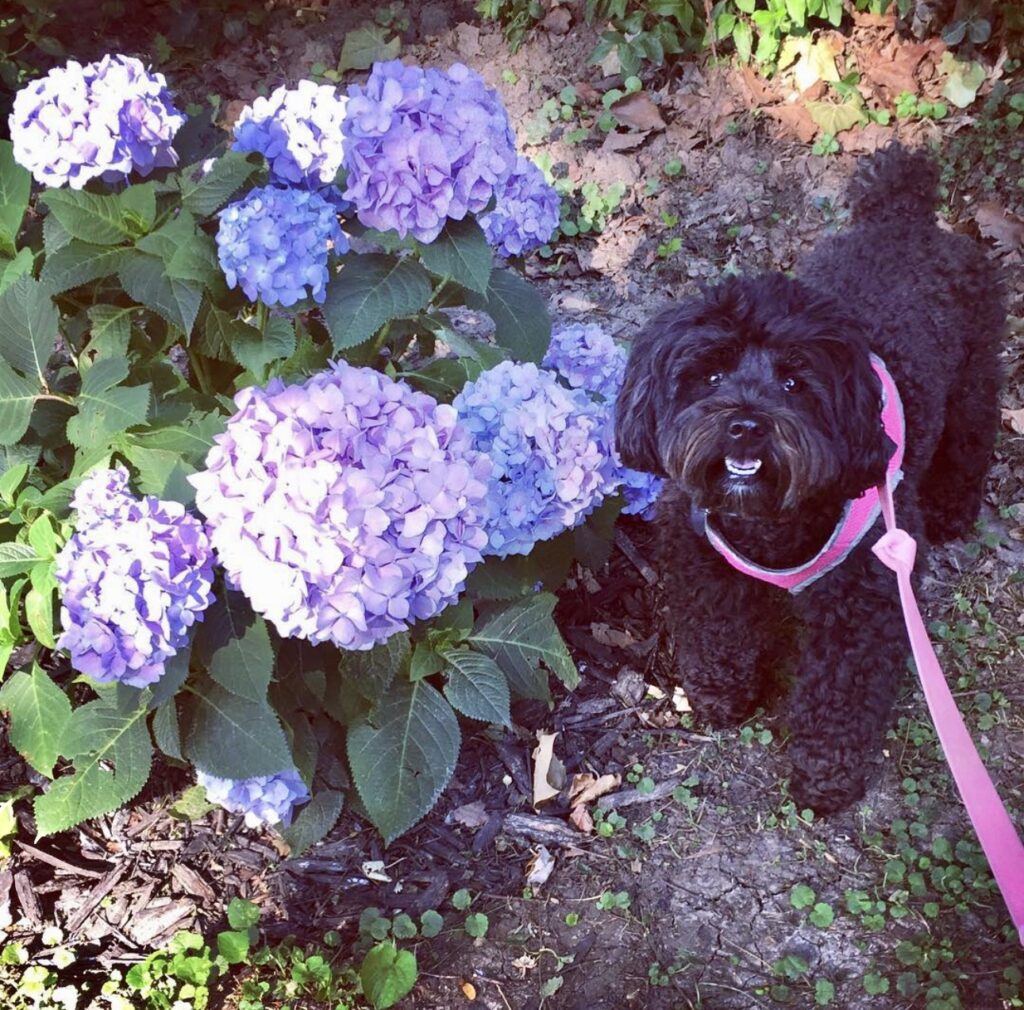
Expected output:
(742, 468)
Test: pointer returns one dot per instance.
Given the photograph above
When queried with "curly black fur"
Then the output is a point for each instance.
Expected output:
(758, 401)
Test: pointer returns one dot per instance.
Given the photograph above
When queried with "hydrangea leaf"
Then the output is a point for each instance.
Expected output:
(28, 327)
(166, 731)
(104, 408)
(91, 217)
(16, 559)
(161, 473)
(476, 686)
(230, 736)
(188, 253)
(370, 291)
(235, 646)
(365, 46)
(17, 397)
(55, 235)
(516, 575)
(521, 320)
(39, 713)
(387, 974)
(15, 185)
(112, 755)
(203, 193)
(403, 755)
(255, 351)
(78, 263)
(145, 279)
(461, 252)
(12, 269)
(314, 821)
(138, 205)
(192, 439)
(220, 333)
(371, 672)
(522, 636)
(111, 330)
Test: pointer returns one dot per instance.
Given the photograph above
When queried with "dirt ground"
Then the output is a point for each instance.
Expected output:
(693, 891)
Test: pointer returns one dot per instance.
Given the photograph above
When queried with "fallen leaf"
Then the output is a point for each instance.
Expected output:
(373, 869)
(638, 111)
(469, 990)
(894, 72)
(796, 119)
(587, 93)
(998, 224)
(679, 701)
(557, 22)
(615, 141)
(606, 635)
(863, 19)
(585, 788)
(1015, 419)
(365, 46)
(539, 868)
(868, 139)
(467, 39)
(580, 818)
(470, 815)
(964, 79)
(817, 63)
(546, 767)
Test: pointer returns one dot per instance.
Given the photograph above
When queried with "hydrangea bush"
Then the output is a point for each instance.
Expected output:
(296, 522)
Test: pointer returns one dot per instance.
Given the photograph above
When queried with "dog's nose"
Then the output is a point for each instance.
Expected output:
(745, 426)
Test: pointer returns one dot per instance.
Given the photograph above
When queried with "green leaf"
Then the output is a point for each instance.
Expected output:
(255, 351)
(365, 46)
(17, 397)
(234, 644)
(822, 915)
(371, 672)
(522, 636)
(187, 253)
(314, 821)
(476, 686)
(111, 330)
(15, 186)
(431, 923)
(203, 193)
(104, 408)
(166, 731)
(964, 80)
(462, 253)
(192, 439)
(91, 217)
(801, 896)
(15, 559)
(11, 270)
(370, 291)
(388, 974)
(231, 737)
(243, 914)
(516, 575)
(138, 204)
(233, 946)
(144, 278)
(403, 755)
(78, 263)
(425, 662)
(797, 10)
(476, 924)
(824, 992)
(28, 327)
(39, 615)
(743, 39)
(112, 754)
(835, 118)
(521, 320)
(40, 713)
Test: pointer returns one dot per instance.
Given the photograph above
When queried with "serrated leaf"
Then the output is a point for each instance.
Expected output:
(234, 644)
(111, 330)
(231, 737)
(517, 575)
(255, 351)
(203, 193)
(370, 291)
(523, 636)
(15, 186)
(144, 279)
(91, 217)
(104, 408)
(175, 675)
(371, 672)
(16, 559)
(28, 327)
(161, 473)
(11, 270)
(39, 616)
(192, 439)
(188, 254)
(112, 755)
(55, 235)
(78, 263)
(521, 320)
(39, 713)
(365, 46)
(166, 731)
(17, 397)
(403, 755)
(830, 118)
(314, 821)
(462, 253)
(138, 206)
(476, 686)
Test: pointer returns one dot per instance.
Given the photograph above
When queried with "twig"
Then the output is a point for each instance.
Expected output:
(625, 545)
(630, 797)
(47, 857)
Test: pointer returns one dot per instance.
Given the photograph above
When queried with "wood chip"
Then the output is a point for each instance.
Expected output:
(191, 883)
(631, 797)
(61, 864)
(544, 830)
(98, 893)
(164, 916)
(27, 898)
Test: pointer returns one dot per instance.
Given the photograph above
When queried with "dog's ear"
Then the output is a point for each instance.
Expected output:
(636, 407)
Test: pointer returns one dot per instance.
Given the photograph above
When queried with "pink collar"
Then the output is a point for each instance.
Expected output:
(859, 514)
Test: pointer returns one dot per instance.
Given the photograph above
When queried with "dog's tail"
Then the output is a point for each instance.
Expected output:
(894, 184)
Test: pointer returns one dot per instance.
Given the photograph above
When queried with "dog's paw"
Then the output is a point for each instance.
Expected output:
(721, 711)
(829, 794)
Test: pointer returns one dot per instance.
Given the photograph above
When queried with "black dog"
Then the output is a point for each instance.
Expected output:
(760, 401)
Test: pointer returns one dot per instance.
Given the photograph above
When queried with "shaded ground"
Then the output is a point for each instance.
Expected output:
(687, 898)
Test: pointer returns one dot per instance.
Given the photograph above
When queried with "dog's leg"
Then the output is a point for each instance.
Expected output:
(851, 665)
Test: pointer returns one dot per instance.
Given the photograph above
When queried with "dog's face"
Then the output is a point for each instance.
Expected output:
(757, 397)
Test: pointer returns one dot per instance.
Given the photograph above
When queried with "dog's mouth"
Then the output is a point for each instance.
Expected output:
(738, 469)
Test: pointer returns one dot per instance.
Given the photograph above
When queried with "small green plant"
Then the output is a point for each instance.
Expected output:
(825, 145)
(608, 822)
(642, 31)
(614, 901)
(909, 106)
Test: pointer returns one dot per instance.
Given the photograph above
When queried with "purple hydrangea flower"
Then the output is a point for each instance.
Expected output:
(101, 120)
(134, 577)
(266, 800)
(526, 212)
(551, 451)
(298, 131)
(589, 359)
(422, 146)
(345, 508)
(274, 244)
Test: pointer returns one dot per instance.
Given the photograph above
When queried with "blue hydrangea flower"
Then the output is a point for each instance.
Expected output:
(526, 211)
(101, 120)
(345, 508)
(266, 800)
(551, 451)
(298, 131)
(588, 358)
(423, 146)
(134, 577)
(275, 243)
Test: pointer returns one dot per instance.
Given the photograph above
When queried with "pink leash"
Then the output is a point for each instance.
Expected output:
(896, 550)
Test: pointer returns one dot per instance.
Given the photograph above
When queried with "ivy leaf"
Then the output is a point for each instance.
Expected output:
(79, 263)
(39, 712)
(403, 755)
(521, 320)
(104, 408)
(522, 636)
(476, 686)
(204, 193)
(112, 755)
(461, 252)
(830, 118)
(314, 820)
(370, 291)
(145, 279)
(17, 397)
(28, 327)
(15, 186)
(387, 974)
(234, 644)
(90, 217)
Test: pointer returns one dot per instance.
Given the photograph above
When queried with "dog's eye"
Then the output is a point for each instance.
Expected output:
(714, 379)
(791, 384)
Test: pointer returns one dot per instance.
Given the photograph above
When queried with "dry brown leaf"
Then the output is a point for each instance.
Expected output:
(638, 111)
(585, 788)
(606, 635)
(546, 766)
(470, 815)
(580, 819)
(1015, 419)
(587, 93)
(867, 139)
(540, 867)
(624, 141)
(557, 22)
(796, 120)
(896, 72)
(862, 19)
(998, 224)
(467, 40)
